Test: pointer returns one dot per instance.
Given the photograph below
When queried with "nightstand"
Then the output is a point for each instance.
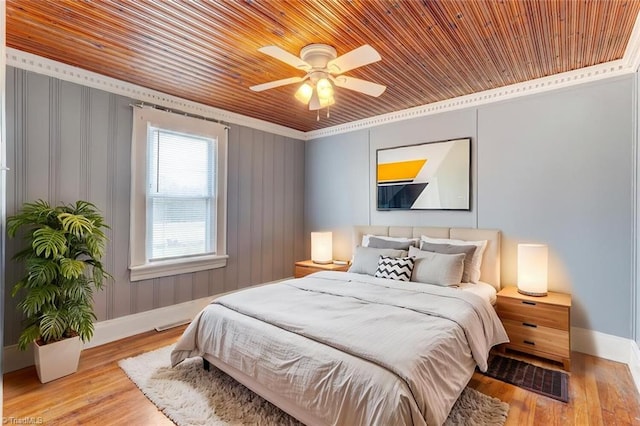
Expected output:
(306, 267)
(537, 325)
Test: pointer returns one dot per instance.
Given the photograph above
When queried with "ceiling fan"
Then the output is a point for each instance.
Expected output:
(324, 71)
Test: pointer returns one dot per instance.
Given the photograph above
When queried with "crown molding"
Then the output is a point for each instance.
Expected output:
(544, 84)
(38, 64)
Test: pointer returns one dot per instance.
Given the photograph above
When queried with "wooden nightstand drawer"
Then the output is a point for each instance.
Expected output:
(306, 267)
(527, 337)
(537, 325)
(536, 313)
(303, 271)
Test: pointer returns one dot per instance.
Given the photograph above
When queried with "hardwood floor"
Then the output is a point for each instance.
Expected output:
(601, 392)
(99, 393)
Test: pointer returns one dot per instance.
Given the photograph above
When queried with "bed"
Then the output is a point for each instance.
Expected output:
(349, 348)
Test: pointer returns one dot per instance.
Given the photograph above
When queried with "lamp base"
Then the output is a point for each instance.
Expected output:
(323, 262)
(531, 293)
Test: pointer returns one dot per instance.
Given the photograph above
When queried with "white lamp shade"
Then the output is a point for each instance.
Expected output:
(532, 269)
(304, 92)
(322, 247)
(324, 88)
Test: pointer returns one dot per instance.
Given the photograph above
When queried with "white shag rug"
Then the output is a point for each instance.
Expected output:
(190, 396)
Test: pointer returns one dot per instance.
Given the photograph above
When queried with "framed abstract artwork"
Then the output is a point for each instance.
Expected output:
(428, 176)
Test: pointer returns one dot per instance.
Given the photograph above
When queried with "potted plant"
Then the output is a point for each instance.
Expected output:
(63, 268)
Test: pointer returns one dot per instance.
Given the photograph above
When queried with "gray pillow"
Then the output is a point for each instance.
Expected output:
(375, 242)
(365, 259)
(437, 268)
(454, 249)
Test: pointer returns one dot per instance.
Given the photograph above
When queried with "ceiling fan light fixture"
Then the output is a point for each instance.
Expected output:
(304, 92)
(326, 102)
(324, 73)
(314, 102)
(324, 88)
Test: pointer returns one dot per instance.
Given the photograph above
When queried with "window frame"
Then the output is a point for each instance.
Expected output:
(143, 119)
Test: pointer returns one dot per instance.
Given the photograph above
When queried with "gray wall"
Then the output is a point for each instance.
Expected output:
(555, 168)
(454, 125)
(337, 188)
(69, 142)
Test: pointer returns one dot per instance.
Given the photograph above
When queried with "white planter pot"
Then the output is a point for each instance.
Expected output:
(57, 359)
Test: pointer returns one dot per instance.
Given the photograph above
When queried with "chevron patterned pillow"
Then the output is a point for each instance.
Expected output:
(395, 268)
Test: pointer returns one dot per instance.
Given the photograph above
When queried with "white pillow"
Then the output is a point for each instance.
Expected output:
(411, 241)
(476, 262)
(437, 268)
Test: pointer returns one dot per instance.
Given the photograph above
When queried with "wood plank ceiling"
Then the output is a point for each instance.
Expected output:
(206, 51)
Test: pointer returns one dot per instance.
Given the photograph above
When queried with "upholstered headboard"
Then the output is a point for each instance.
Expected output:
(490, 270)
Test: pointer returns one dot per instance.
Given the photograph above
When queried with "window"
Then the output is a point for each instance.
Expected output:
(178, 195)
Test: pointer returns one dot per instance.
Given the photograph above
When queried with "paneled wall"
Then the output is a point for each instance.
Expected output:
(554, 168)
(69, 142)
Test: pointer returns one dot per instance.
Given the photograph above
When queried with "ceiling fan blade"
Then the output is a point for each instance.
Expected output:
(277, 83)
(286, 57)
(363, 55)
(358, 85)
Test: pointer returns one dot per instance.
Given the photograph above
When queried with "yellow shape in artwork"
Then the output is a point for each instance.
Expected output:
(400, 171)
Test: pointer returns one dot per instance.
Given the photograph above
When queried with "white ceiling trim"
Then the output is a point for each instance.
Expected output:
(38, 64)
(544, 84)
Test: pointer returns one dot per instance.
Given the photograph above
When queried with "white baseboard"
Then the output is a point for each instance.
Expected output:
(130, 325)
(120, 328)
(116, 329)
(14, 359)
(602, 345)
(609, 347)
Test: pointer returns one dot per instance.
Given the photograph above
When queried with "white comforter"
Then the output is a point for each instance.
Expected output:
(352, 349)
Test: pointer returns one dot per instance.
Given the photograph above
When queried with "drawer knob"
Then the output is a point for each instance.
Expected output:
(527, 302)
(527, 324)
(529, 342)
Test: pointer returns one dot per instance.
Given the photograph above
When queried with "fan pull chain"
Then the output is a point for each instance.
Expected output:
(328, 113)
(318, 115)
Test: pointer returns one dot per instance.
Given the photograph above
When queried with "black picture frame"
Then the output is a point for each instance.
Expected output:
(426, 176)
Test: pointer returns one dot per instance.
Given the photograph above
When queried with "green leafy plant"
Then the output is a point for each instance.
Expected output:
(65, 245)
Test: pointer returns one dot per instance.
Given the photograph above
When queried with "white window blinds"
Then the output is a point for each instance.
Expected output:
(180, 195)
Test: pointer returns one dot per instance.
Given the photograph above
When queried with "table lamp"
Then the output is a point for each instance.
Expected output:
(532, 269)
(322, 247)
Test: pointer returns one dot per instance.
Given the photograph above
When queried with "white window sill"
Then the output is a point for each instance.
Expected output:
(167, 268)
